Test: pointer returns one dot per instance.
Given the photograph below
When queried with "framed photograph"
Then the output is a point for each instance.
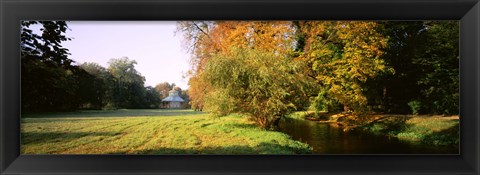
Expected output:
(239, 87)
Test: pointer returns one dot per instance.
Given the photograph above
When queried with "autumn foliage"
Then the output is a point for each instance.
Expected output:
(267, 69)
(343, 56)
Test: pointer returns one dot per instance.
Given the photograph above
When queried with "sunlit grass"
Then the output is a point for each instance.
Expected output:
(435, 130)
(150, 132)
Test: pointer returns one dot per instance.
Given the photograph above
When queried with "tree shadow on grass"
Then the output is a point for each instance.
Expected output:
(262, 148)
(389, 125)
(52, 137)
(446, 137)
(395, 126)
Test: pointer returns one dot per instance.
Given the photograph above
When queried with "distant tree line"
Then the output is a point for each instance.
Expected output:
(118, 86)
(52, 82)
(268, 69)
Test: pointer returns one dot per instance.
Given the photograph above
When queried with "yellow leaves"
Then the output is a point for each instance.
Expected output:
(272, 36)
(343, 55)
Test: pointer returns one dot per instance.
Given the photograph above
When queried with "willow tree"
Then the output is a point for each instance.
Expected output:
(342, 55)
(263, 85)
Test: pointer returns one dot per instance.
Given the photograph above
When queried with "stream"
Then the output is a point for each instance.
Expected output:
(327, 139)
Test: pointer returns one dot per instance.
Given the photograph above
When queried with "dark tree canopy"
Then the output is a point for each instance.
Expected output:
(425, 58)
(48, 76)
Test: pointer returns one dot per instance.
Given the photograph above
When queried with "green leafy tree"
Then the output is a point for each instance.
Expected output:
(425, 57)
(439, 61)
(263, 85)
(128, 88)
(97, 92)
(152, 98)
(394, 91)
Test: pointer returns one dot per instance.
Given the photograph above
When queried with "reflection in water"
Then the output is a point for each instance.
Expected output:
(326, 139)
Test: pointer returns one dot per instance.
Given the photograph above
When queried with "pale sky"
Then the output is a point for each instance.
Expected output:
(153, 44)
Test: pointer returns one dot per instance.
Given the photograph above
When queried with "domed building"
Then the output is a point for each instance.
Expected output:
(173, 101)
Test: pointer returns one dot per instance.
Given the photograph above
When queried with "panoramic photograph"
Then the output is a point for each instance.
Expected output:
(240, 87)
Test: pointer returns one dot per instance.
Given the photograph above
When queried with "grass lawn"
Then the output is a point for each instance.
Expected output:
(149, 132)
(435, 130)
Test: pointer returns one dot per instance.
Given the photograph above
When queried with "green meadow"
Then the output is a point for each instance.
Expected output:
(150, 132)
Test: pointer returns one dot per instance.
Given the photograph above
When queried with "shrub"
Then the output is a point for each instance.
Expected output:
(415, 106)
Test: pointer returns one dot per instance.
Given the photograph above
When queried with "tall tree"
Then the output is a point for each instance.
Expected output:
(425, 57)
(152, 98)
(343, 55)
(400, 88)
(48, 76)
(129, 83)
(439, 63)
(97, 92)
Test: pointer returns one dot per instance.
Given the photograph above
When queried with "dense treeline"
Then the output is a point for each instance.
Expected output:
(51, 81)
(425, 57)
(118, 86)
(48, 76)
(351, 66)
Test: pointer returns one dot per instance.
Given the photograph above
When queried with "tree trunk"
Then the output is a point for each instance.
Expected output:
(385, 106)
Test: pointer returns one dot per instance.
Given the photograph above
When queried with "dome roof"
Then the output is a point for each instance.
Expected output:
(173, 97)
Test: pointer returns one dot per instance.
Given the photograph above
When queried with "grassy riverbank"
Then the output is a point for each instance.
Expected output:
(150, 132)
(425, 129)
(434, 130)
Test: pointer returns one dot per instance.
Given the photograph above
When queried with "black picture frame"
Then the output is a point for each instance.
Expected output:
(13, 11)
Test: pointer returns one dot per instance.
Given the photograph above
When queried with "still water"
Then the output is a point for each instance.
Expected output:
(327, 139)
